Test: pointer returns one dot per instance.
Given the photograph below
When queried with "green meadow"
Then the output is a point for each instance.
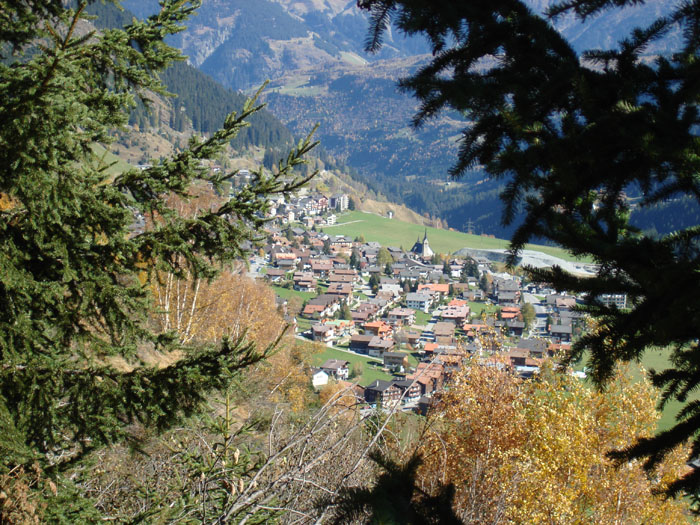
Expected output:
(392, 232)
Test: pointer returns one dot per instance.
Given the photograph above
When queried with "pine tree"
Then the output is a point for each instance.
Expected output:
(570, 134)
(75, 271)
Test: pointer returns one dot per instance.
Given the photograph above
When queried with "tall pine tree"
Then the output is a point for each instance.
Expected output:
(74, 272)
(571, 135)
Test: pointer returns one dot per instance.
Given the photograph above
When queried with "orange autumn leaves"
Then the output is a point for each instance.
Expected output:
(200, 311)
(535, 451)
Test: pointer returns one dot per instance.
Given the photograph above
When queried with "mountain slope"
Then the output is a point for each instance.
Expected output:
(313, 52)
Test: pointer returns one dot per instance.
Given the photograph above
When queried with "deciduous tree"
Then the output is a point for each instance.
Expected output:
(534, 451)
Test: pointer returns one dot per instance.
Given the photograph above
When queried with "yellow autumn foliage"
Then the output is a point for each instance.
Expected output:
(535, 451)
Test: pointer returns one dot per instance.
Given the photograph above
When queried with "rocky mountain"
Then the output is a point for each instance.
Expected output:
(313, 53)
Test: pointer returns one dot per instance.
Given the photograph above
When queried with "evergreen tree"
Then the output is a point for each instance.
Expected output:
(373, 283)
(75, 271)
(570, 134)
(345, 312)
(388, 270)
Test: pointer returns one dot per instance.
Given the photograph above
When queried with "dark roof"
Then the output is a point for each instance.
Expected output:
(379, 385)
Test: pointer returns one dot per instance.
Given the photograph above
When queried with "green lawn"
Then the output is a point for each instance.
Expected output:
(422, 318)
(287, 293)
(478, 308)
(304, 324)
(392, 232)
(116, 165)
(372, 367)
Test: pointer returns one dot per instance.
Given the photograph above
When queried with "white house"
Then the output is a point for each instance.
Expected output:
(319, 378)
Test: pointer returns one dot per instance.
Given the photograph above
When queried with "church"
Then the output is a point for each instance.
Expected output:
(422, 248)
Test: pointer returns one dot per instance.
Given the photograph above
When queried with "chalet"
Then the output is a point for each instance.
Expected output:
(430, 375)
(325, 305)
(406, 337)
(322, 333)
(410, 274)
(342, 290)
(444, 329)
(418, 301)
(377, 347)
(382, 393)
(506, 291)
(378, 328)
(510, 312)
(279, 257)
(319, 378)
(410, 390)
(313, 310)
(394, 289)
(401, 317)
(430, 348)
(364, 313)
(321, 267)
(473, 329)
(460, 287)
(304, 282)
(473, 295)
(340, 243)
(458, 314)
(396, 360)
(537, 348)
(360, 343)
(342, 276)
(336, 368)
(561, 331)
(515, 327)
(275, 274)
(386, 296)
(341, 327)
(560, 302)
(436, 288)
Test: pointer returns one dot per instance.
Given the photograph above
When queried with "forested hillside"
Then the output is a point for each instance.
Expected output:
(314, 53)
(200, 104)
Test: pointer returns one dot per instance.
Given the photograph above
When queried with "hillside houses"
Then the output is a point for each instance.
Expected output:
(417, 324)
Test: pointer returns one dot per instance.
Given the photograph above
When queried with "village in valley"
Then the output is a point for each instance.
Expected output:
(396, 323)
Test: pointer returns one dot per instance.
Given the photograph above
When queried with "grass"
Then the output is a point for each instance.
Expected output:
(372, 367)
(304, 324)
(288, 293)
(392, 232)
(116, 165)
(478, 308)
(422, 318)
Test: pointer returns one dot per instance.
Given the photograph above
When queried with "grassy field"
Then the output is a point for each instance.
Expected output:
(372, 367)
(421, 317)
(478, 308)
(392, 232)
(287, 293)
(116, 165)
